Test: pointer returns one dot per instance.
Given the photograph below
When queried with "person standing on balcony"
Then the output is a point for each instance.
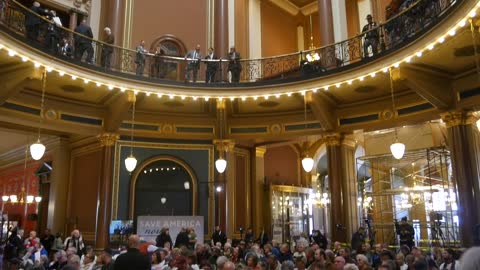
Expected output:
(140, 58)
(234, 65)
(371, 39)
(83, 42)
(212, 66)
(33, 21)
(193, 57)
(107, 49)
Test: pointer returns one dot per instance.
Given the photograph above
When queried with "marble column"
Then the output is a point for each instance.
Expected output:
(334, 156)
(326, 22)
(463, 146)
(221, 28)
(73, 20)
(113, 16)
(59, 186)
(104, 196)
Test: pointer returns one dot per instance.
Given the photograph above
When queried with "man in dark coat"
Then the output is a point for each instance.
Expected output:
(358, 238)
(182, 238)
(406, 233)
(212, 66)
(219, 236)
(234, 65)
(318, 238)
(33, 21)
(82, 43)
(132, 259)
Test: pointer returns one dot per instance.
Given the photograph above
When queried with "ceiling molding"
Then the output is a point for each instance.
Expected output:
(287, 6)
(309, 9)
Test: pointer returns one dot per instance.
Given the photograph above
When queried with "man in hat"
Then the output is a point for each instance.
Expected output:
(371, 39)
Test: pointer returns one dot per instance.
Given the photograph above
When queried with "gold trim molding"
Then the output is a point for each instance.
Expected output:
(107, 138)
(333, 139)
(457, 118)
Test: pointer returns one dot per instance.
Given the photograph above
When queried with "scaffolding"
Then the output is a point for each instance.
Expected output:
(420, 187)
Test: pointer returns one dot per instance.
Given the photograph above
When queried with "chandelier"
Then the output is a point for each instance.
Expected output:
(23, 197)
(312, 56)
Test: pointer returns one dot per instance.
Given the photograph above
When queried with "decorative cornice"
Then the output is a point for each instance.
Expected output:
(332, 139)
(224, 145)
(107, 138)
(457, 118)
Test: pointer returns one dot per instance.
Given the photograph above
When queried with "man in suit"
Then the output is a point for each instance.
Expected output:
(371, 36)
(193, 57)
(140, 58)
(33, 21)
(132, 259)
(107, 49)
(212, 66)
(83, 42)
(234, 65)
(218, 236)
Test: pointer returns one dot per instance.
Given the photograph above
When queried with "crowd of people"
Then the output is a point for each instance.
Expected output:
(48, 32)
(308, 252)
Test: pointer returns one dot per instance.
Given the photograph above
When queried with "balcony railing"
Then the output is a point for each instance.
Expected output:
(416, 18)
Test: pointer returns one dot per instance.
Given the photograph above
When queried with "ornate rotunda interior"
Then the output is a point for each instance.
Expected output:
(331, 126)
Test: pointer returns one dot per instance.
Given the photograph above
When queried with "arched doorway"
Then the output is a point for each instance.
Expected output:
(163, 186)
(171, 46)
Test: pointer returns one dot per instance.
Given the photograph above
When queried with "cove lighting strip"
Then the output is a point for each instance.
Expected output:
(172, 95)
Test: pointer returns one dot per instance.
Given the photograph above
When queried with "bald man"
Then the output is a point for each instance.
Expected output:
(229, 266)
(132, 259)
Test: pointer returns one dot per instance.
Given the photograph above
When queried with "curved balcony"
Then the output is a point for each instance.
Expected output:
(279, 71)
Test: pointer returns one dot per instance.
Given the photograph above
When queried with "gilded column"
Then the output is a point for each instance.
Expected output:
(59, 186)
(464, 158)
(221, 27)
(349, 186)
(104, 196)
(334, 156)
(326, 22)
(225, 202)
(258, 175)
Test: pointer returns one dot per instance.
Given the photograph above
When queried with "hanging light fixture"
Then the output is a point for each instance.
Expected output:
(38, 149)
(221, 163)
(163, 200)
(313, 55)
(307, 162)
(397, 148)
(131, 161)
(186, 185)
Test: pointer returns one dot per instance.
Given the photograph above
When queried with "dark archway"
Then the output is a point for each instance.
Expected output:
(171, 46)
(163, 177)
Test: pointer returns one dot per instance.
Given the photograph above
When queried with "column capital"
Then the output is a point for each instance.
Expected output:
(457, 118)
(131, 96)
(108, 138)
(224, 145)
(260, 151)
(220, 104)
(332, 139)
